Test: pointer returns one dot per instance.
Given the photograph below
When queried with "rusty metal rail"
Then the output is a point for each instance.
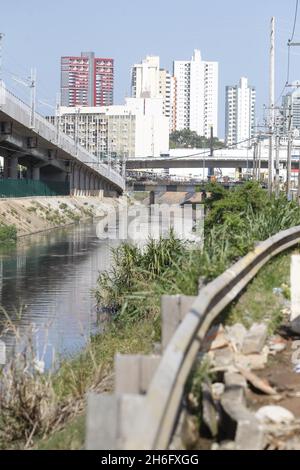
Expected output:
(147, 421)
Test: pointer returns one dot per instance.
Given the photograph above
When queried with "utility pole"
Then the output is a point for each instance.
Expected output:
(277, 180)
(30, 83)
(272, 104)
(255, 166)
(259, 156)
(1, 39)
(289, 156)
(298, 191)
(57, 116)
(32, 86)
(211, 171)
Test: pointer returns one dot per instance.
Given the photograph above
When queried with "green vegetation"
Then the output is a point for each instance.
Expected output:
(259, 302)
(235, 221)
(46, 411)
(8, 234)
(69, 213)
(190, 139)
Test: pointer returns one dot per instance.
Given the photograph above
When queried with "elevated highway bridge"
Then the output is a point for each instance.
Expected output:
(201, 158)
(28, 139)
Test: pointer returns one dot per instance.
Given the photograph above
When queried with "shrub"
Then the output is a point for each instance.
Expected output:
(8, 234)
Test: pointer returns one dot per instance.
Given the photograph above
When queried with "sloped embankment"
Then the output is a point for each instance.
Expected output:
(32, 215)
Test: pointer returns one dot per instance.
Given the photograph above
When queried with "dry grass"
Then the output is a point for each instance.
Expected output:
(35, 407)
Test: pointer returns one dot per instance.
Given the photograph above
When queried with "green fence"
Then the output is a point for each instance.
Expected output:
(25, 188)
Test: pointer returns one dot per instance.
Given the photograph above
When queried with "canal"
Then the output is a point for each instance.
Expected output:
(47, 282)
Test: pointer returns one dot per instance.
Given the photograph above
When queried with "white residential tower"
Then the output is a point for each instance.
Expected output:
(240, 114)
(196, 102)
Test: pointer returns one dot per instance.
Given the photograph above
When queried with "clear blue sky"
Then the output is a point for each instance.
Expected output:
(233, 32)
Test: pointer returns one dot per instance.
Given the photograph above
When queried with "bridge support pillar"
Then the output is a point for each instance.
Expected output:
(35, 173)
(81, 178)
(75, 183)
(11, 167)
(92, 182)
(88, 181)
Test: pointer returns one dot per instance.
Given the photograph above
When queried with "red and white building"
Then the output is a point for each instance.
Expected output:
(87, 80)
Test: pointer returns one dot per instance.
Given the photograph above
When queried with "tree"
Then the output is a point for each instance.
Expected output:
(190, 139)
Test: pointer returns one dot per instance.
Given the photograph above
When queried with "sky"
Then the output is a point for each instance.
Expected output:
(235, 33)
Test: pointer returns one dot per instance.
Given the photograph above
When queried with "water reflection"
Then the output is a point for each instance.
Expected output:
(49, 277)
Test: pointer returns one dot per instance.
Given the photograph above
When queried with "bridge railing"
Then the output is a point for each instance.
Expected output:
(21, 112)
(147, 421)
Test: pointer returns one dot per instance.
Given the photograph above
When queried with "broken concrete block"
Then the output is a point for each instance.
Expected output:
(235, 335)
(234, 379)
(210, 414)
(252, 361)
(249, 433)
(223, 357)
(255, 339)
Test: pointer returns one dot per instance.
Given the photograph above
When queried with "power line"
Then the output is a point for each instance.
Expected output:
(289, 52)
(295, 20)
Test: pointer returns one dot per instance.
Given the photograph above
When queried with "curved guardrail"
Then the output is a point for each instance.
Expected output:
(153, 425)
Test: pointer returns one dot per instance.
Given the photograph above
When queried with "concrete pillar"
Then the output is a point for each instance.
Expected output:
(295, 294)
(11, 167)
(36, 173)
(81, 178)
(75, 177)
(173, 310)
(133, 373)
(93, 182)
(87, 181)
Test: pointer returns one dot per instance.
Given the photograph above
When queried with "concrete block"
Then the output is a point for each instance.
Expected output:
(209, 410)
(255, 339)
(234, 379)
(295, 293)
(249, 433)
(109, 420)
(173, 310)
(102, 422)
(134, 373)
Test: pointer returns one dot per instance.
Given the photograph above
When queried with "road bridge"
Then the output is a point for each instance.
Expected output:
(201, 158)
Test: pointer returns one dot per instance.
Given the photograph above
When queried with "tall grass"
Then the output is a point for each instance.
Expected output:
(235, 221)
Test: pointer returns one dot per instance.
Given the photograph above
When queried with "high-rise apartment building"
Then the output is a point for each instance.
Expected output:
(240, 114)
(87, 80)
(145, 78)
(148, 80)
(291, 104)
(196, 95)
(167, 92)
(136, 129)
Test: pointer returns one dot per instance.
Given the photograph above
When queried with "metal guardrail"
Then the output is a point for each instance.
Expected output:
(153, 416)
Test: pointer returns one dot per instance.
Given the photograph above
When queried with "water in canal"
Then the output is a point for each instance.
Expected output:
(49, 278)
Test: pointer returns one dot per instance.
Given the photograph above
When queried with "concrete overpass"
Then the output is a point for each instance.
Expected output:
(186, 158)
(30, 140)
